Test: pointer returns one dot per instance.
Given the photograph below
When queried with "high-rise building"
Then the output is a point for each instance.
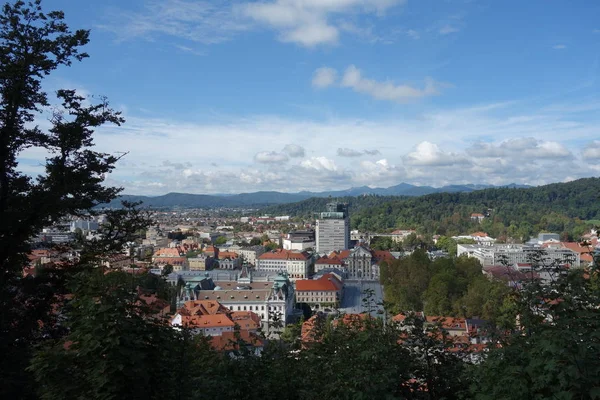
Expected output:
(333, 228)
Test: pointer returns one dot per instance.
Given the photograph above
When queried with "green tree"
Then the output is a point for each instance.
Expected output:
(381, 243)
(116, 349)
(271, 246)
(221, 240)
(167, 269)
(555, 353)
(484, 299)
(33, 43)
(448, 244)
(405, 280)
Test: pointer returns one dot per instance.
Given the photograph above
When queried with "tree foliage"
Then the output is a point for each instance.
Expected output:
(33, 43)
(555, 352)
(446, 286)
(514, 213)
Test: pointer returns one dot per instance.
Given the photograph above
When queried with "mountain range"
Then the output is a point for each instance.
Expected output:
(262, 198)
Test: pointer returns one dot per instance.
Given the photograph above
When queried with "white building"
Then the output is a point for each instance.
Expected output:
(269, 300)
(295, 264)
(250, 254)
(333, 229)
(299, 240)
(496, 254)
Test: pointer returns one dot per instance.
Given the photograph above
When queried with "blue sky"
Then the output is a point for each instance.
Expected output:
(232, 96)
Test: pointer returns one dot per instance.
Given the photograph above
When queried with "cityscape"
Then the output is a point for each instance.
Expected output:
(299, 199)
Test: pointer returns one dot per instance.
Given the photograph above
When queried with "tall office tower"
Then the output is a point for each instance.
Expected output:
(333, 228)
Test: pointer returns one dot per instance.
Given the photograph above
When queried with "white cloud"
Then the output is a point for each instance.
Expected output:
(311, 22)
(319, 163)
(380, 172)
(374, 152)
(197, 21)
(429, 154)
(270, 157)
(592, 151)
(448, 29)
(489, 143)
(310, 35)
(386, 90)
(413, 34)
(346, 152)
(522, 149)
(559, 47)
(294, 150)
(596, 31)
(187, 49)
(324, 77)
(305, 22)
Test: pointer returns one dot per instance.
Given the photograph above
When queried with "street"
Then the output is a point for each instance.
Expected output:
(354, 293)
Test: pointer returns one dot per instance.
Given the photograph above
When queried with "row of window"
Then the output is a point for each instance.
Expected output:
(256, 308)
(316, 300)
(317, 293)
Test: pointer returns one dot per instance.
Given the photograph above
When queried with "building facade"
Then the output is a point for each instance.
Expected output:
(250, 254)
(295, 264)
(271, 303)
(333, 228)
(229, 260)
(511, 254)
(200, 263)
(359, 263)
(299, 240)
(327, 291)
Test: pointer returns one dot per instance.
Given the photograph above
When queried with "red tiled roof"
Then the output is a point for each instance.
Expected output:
(353, 320)
(402, 317)
(584, 251)
(479, 234)
(211, 249)
(207, 321)
(341, 254)
(509, 274)
(167, 252)
(170, 260)
(202, 307)
(282, 254)
(448, 322)
(309, 330)
(228, 254)
(329, 261)
(247, 320)
(326, 283)
(382, 255)
(227, 341)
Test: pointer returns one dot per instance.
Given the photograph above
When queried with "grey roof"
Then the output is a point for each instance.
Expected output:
(229, 296)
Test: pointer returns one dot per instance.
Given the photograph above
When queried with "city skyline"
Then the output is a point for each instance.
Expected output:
(230, 97)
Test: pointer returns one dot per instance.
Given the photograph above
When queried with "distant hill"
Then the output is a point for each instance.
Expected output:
(558, 207)
(264, 198)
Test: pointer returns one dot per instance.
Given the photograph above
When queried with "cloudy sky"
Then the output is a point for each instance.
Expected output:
(226, 96)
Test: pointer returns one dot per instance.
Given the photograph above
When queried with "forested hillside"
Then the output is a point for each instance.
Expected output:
(517, 213)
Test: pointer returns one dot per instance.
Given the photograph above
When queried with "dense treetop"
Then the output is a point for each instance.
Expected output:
(557, 207)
